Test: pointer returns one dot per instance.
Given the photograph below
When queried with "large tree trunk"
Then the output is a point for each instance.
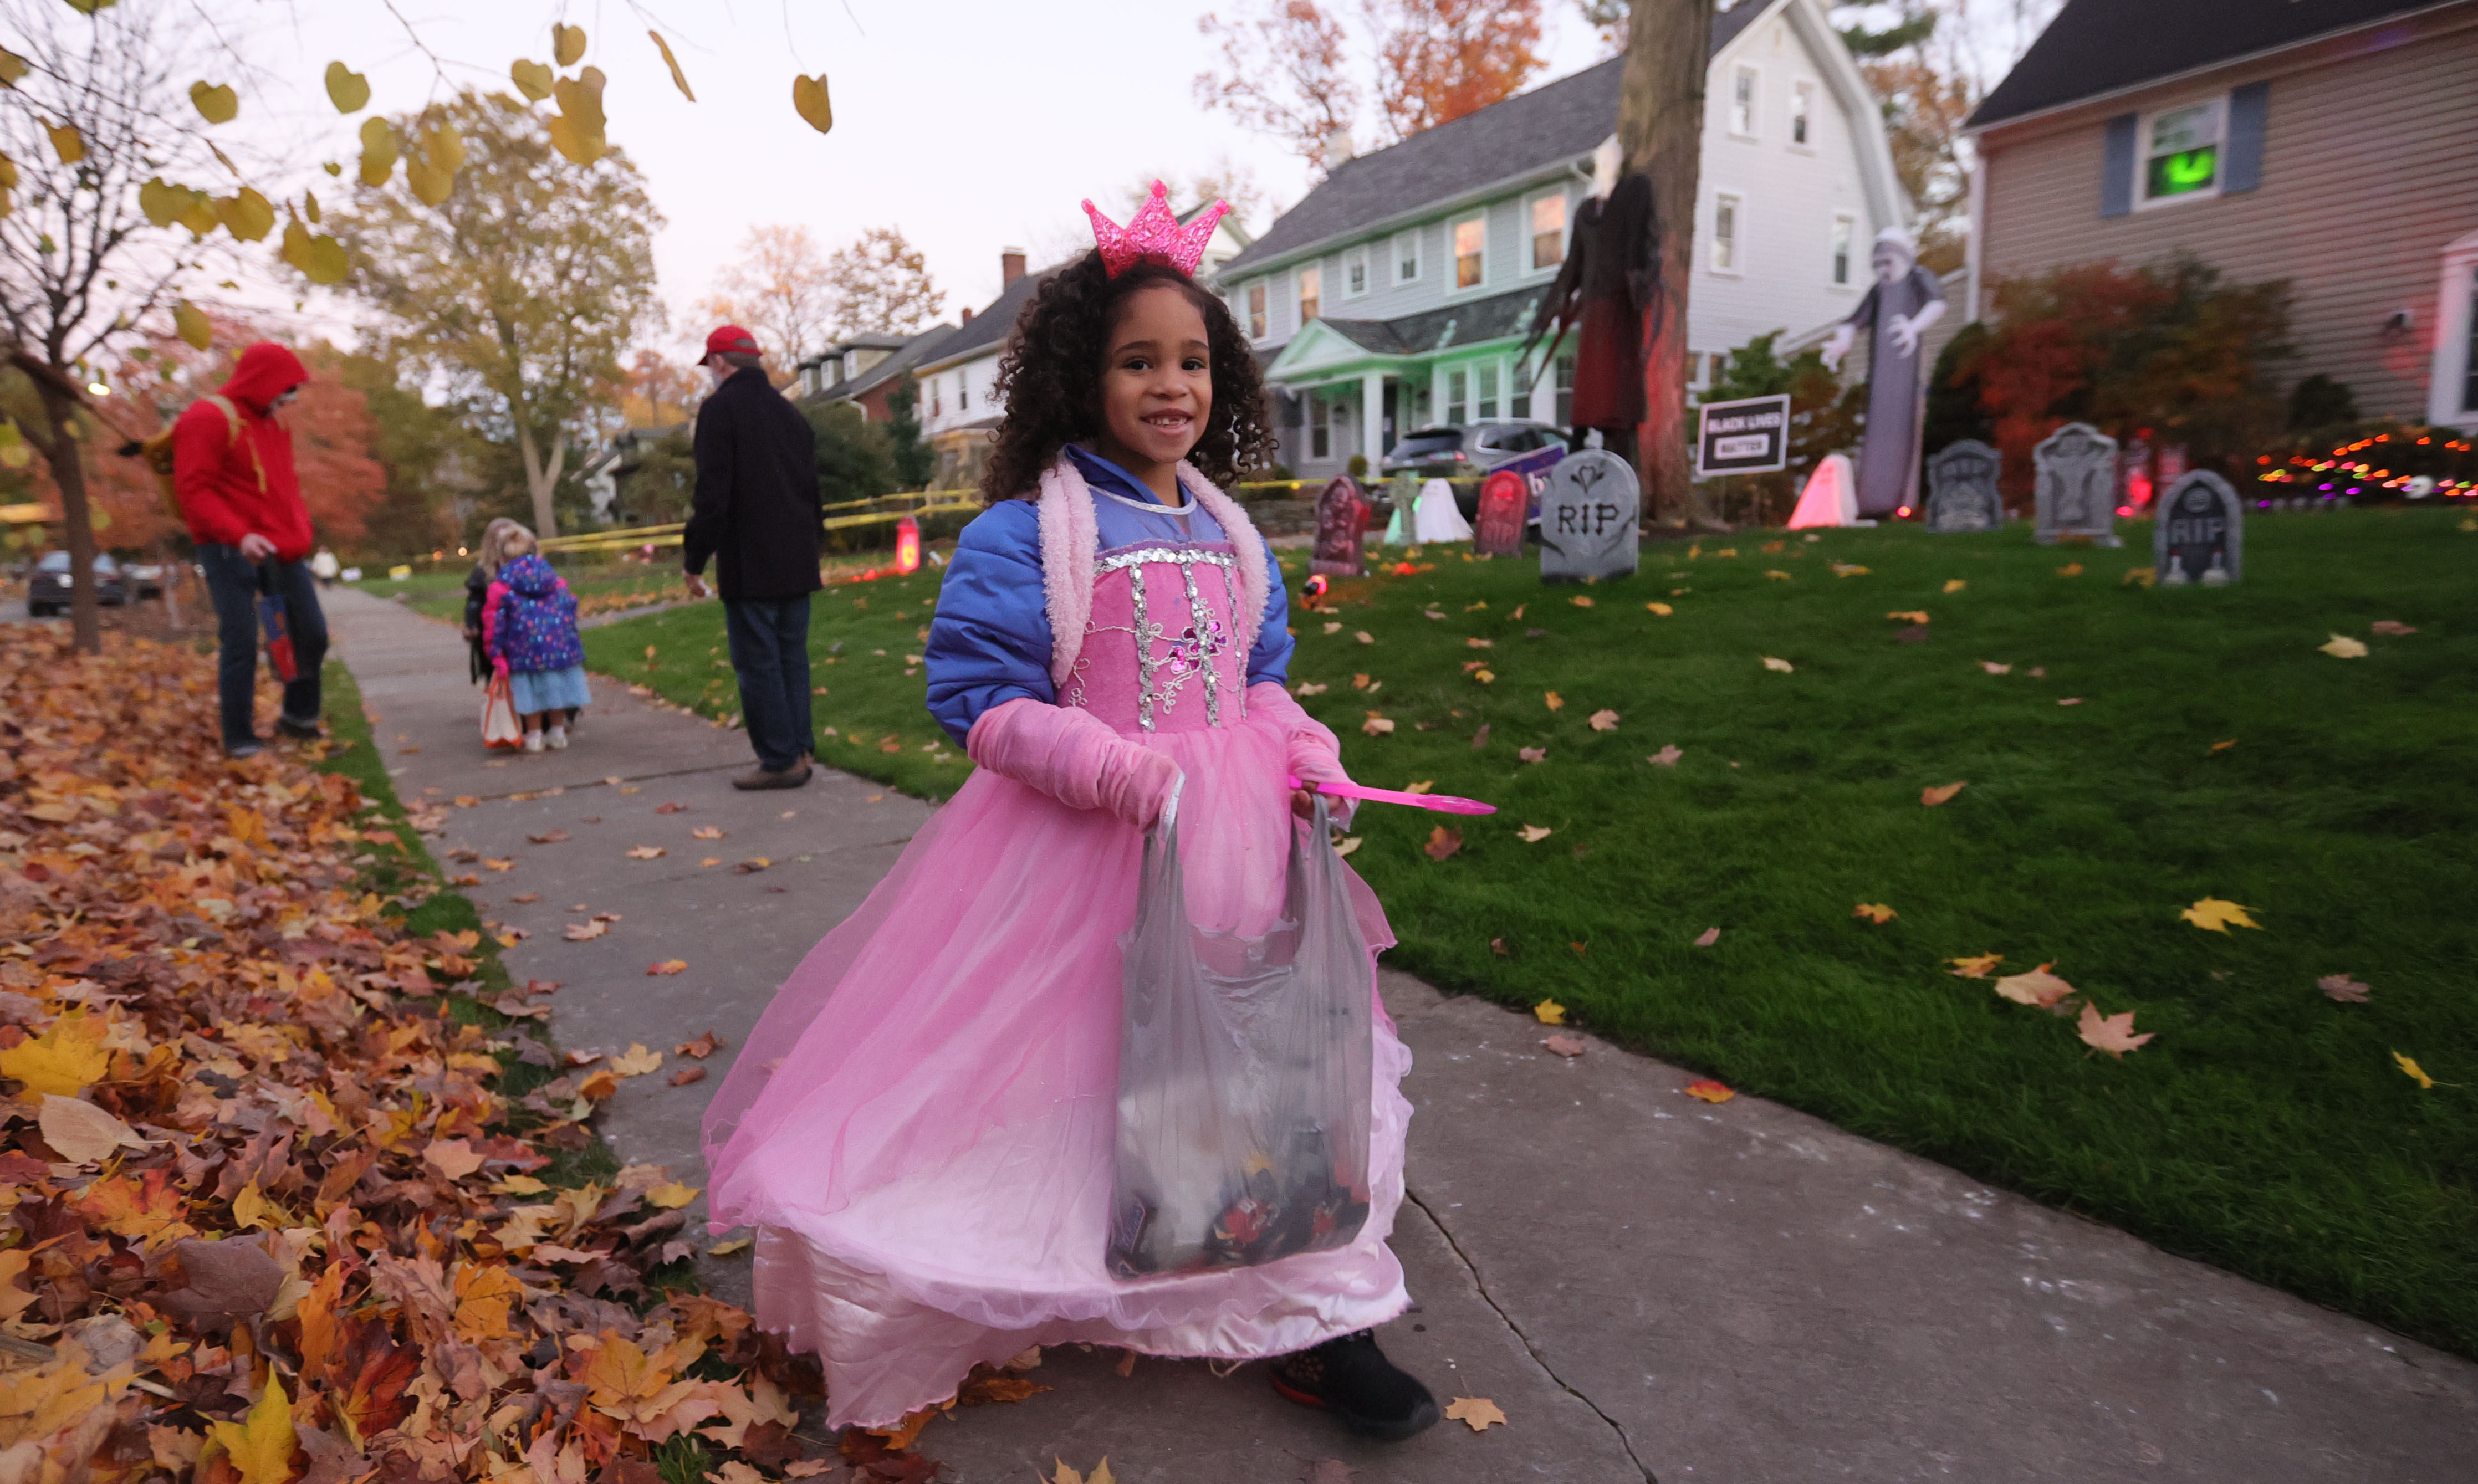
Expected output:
(1660, 131)
(69, 473)
(542, 476)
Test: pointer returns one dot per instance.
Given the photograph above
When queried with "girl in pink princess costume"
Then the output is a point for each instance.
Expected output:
(921, 1128)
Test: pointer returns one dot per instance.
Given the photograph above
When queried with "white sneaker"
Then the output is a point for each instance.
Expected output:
(558, 737)
(533, 741)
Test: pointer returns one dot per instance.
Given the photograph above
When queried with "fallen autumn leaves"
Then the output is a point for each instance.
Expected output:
(267, 1188)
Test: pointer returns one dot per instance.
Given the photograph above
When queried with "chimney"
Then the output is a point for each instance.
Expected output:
(1337, 148)
(1010, 268)
(968, 313)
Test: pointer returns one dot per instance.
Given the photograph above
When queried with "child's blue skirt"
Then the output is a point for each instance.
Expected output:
(550, 689)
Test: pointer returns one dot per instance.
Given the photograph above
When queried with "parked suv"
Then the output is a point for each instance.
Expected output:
(1475, 448)
(47, 592)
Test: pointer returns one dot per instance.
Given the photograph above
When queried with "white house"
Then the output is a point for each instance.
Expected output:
(958, 377)
(1404, 282)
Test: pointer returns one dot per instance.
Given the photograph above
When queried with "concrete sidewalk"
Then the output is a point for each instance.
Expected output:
(1648, 1287)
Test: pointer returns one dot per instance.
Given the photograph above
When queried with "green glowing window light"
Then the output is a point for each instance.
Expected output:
(2184, 172)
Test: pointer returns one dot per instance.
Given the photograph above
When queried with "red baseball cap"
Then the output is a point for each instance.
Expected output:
(731, 339)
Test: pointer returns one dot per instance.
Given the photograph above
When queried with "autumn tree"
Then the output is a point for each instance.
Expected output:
(1917, 68)
(518, 291)
(781, 288)
(1439, 59)
(1286, 73)
(880, 284)
(663, 387)
(94, 235)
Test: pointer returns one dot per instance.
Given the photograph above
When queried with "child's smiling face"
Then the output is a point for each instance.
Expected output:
(1156, 385)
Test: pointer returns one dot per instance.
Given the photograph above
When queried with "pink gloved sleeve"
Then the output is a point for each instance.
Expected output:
(1314, 753)
(1074, 757)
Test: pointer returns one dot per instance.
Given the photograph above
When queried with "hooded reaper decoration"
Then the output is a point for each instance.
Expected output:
(1900, 305)
(1609, 287)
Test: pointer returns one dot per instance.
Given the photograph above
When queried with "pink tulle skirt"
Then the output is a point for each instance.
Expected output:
(921, 1127)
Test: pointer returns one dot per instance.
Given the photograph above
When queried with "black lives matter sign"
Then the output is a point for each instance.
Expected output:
(1746, 437)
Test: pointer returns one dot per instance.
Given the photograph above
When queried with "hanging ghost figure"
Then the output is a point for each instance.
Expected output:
(1902, 302)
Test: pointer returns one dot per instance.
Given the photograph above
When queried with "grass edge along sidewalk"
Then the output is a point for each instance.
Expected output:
(264, 1202)
(2128, 752)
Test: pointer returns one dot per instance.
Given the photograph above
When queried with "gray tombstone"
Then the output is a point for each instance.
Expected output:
(1589, 519)
(2200, 534)
(2076, 487)
(1962, 487)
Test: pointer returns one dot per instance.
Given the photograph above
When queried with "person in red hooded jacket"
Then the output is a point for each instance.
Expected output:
(233, 475)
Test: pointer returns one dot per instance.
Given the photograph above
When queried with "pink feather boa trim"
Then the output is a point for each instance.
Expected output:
(1069, 535)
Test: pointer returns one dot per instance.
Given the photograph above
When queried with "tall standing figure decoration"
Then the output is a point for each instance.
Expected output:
(1900, 305)
(1609, 289)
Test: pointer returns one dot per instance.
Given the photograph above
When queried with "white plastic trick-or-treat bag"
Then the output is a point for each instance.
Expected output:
(1245, 1066)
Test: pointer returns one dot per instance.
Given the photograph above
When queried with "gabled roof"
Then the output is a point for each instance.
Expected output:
(2103, 47)
(1553, 124)
(908, 353)
(1429, 331)
(991, 326)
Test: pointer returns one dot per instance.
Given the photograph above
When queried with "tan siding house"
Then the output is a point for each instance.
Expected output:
(2333, 143)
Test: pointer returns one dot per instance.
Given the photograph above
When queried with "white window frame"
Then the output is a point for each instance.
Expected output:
(2217, 105)
(1532, 233)
(1803, 96)
(1457, 414)
(1259, 316)
(1754, 77)
(1355, 263)
(1561, 389)
(1488, 392)
(1841, 252)
(1405, 249)
(1300, 295)
(2456, 347)
(1736, 241)
(1320, 426)
(1453, 258)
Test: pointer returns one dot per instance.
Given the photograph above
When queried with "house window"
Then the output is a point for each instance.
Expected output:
(937, 397)
(1564, 372)
(1311, 294)
(1406, 257)
(1255, 311)
(1549, 230)
(1726, 210)
(1488, 392)
(1801, 113)
(1471, 245)
(2452, 385)
(1518, 390)
(1843, 229)
(1319, 427)
(963, 390)
(2181, 152)
(1457, 395)
(1742, 103)
(1354, 272)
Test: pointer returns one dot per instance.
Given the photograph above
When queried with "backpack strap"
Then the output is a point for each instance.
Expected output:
(233, 427)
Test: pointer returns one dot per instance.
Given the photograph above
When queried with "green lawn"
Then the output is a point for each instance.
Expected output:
(2266, 1129)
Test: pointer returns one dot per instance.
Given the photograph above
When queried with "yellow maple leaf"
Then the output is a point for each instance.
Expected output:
(65, 1059)
(2343, 647)
(2411, 1070)
(1661, 609)
(1533, 834)
(484, 1294)
(1549, 1013)
(1909, 614)
(1974, 967)
(262, 1443)
(1555, 701)
(13, 1300)
(671, 1195)
(636, 1061)
(1956, 584)
(1478, 1412)
(1874, 911)
(2214, 915)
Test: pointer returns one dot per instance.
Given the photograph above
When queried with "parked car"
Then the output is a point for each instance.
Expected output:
(1473, 449)
(147, 577)
(47, 592)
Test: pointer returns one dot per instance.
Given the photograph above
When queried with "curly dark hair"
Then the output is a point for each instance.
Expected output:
(1051, 378)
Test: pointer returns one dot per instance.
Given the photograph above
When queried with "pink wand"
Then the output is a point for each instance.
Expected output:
(1442, 803)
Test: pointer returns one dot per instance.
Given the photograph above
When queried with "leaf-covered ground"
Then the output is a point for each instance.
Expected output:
(2267, 1128)
(284, 1194)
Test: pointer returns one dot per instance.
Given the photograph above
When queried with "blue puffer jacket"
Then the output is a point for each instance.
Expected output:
(529, 618)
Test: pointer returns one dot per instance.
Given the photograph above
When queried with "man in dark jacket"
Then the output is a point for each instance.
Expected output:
(757, 513)
(232, 473)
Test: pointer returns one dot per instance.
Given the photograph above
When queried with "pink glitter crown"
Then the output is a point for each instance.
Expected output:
(1153, 233)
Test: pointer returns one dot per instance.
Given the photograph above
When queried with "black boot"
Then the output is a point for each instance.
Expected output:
(1352, 1378)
